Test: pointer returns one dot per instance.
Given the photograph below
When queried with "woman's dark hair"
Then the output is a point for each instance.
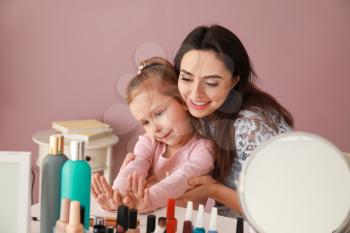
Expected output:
(245, 94)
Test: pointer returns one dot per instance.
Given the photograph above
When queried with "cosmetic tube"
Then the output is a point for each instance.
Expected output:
(76, 179)
(50, 198)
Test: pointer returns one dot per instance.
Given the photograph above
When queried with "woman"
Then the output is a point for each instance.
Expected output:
(215, 81)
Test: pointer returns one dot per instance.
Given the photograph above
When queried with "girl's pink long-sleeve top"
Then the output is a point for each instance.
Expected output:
(195, 158)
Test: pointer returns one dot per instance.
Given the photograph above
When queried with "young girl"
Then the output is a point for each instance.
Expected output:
(171, 150)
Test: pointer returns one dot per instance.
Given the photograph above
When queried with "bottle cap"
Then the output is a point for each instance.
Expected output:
(162, 221)
(123, 216)
(170, 211)
(64, 216)
(199, 219)
(189, 210)
(60, 144)
(77, 150)
(132, 218)
(100, 221)
(213, 216)
(53, 144)
(151, 223)
(74, 224)
(239, 226)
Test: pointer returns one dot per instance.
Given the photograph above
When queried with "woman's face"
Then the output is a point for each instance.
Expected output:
(204, 82)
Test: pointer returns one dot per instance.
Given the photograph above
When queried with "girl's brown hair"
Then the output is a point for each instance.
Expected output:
(155, 73)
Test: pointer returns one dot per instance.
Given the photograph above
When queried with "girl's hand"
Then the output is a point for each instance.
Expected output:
(138, 194)
(105, 196)
(203, 187)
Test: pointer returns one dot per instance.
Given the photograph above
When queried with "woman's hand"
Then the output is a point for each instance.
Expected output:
(138, 194)
(105, 196)
(203, 187)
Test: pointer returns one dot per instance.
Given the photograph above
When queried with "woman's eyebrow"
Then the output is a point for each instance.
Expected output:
(186, 72)
(215, 76)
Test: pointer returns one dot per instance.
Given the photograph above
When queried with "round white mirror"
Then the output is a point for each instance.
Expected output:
(295, 183)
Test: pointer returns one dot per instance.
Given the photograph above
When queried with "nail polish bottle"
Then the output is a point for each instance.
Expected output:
(240, 226)
(74, 225)
(188, 218)
(161, 226)
(199, 227)
(171, 225)
(133, 222)
(151, 223)
(99, 226)
(122, 219)
(64, 216)
(212, 223)
(110, 229)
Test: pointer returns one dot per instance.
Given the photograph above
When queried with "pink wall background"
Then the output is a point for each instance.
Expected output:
(63, 60)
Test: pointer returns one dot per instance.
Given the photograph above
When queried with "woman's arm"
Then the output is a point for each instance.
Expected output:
(206, 187)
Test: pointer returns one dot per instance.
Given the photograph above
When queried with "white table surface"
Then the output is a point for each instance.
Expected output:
(224, 224)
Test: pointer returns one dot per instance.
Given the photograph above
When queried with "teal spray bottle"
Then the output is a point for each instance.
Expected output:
(76, 178)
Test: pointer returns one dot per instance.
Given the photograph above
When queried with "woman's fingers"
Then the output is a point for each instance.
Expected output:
(194, 181)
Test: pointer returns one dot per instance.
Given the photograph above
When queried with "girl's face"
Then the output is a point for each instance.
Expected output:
(204, 82)
(163, 117)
